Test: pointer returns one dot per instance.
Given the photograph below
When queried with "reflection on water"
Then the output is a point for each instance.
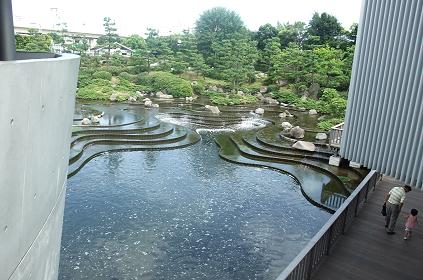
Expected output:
(182, 214)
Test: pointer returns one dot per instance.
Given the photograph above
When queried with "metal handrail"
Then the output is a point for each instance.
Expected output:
(307, 261)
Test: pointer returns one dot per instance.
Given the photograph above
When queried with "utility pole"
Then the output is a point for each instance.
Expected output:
(7, 32)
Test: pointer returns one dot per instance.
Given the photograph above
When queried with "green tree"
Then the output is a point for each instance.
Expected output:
(34, 41)
(235, 59)
(295, 33)
(80, 46)
(216, 25)
(264, 33)
(110, 37)
(267, 56)
(135, 42)
(326, 27)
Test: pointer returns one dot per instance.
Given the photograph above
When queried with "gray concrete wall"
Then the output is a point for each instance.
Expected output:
(37, 100)
(384, 120)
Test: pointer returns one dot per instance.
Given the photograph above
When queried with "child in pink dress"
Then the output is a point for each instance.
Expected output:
(410, 223)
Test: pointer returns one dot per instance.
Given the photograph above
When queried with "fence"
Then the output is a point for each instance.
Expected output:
(308, 260)
(335, 135)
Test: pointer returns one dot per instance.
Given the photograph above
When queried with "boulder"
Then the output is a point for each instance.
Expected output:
(189, 99)
(213, 109)
(113, 97)
(321, 136)
(313, 90)
(312, 112)
(148, 103)
(263, 89)
(155, 105)
(259, 111)
(162, 95)
(301, 108)
(95, 119)
(132, 99)
(281, 83)
(282, 115)
(259, 96)
(146, 99)
(85, 121)
(286, 125)
(297, 132)
(240, 93)
(288, 114)
(304, 145)
(270, 101)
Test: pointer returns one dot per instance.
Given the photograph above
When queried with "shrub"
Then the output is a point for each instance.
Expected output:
(170, 83)
(327, 124)
(198, 88)
(286, 96)
(102, 75)
(231, 99)
(127, 76)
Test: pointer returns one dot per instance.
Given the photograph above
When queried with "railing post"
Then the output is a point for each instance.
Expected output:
(329, 239)
(310, 263)
(356, 204)
(344, 223)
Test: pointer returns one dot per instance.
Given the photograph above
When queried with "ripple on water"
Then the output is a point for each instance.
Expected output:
(182, 214)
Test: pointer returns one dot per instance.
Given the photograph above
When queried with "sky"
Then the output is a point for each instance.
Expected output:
(133, 17)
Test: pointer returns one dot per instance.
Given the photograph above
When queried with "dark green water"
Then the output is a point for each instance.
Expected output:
(182, 214)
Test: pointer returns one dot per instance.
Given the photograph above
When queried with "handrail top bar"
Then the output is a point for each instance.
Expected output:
(337, 126)
(294, 263)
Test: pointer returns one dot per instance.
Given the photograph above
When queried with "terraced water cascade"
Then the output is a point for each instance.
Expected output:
(177, 192)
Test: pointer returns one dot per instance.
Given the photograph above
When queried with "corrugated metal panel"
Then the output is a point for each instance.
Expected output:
(384, 121)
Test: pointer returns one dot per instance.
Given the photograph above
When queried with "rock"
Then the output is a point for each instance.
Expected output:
(303, 98)
(213, 109)
(297, 132)
(146, 99)
(113, 97)
(304, 145)
(302, 108)
(148, 103)
(286, 125)
(281, 83)
(132, 99)
(162, 95)
(282, 115)
(312, 112)
(321, 136)
(259, 96)
(270, 101)
(259, 111)
(95, 119)
(321, 118)
(155, 105)
(189, 99)
(283, 104)
(220, 90)
(314, 90)
(137, 92)
(85, 121)
(240, 92)
(288, 114)
(263, 89)
(213, 88)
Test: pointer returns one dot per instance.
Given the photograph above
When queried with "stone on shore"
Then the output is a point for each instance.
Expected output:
(321, 136)
(297, 132)
(259, 111)
(304, 145)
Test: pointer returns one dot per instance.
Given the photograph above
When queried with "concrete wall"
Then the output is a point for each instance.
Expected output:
(384, 121)
(36, 108)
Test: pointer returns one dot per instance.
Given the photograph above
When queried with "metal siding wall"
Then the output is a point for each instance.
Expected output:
(383, 124)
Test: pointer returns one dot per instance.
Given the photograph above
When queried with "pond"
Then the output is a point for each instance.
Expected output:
(186, 213)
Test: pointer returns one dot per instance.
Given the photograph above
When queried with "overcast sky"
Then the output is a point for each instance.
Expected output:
(133, 17)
